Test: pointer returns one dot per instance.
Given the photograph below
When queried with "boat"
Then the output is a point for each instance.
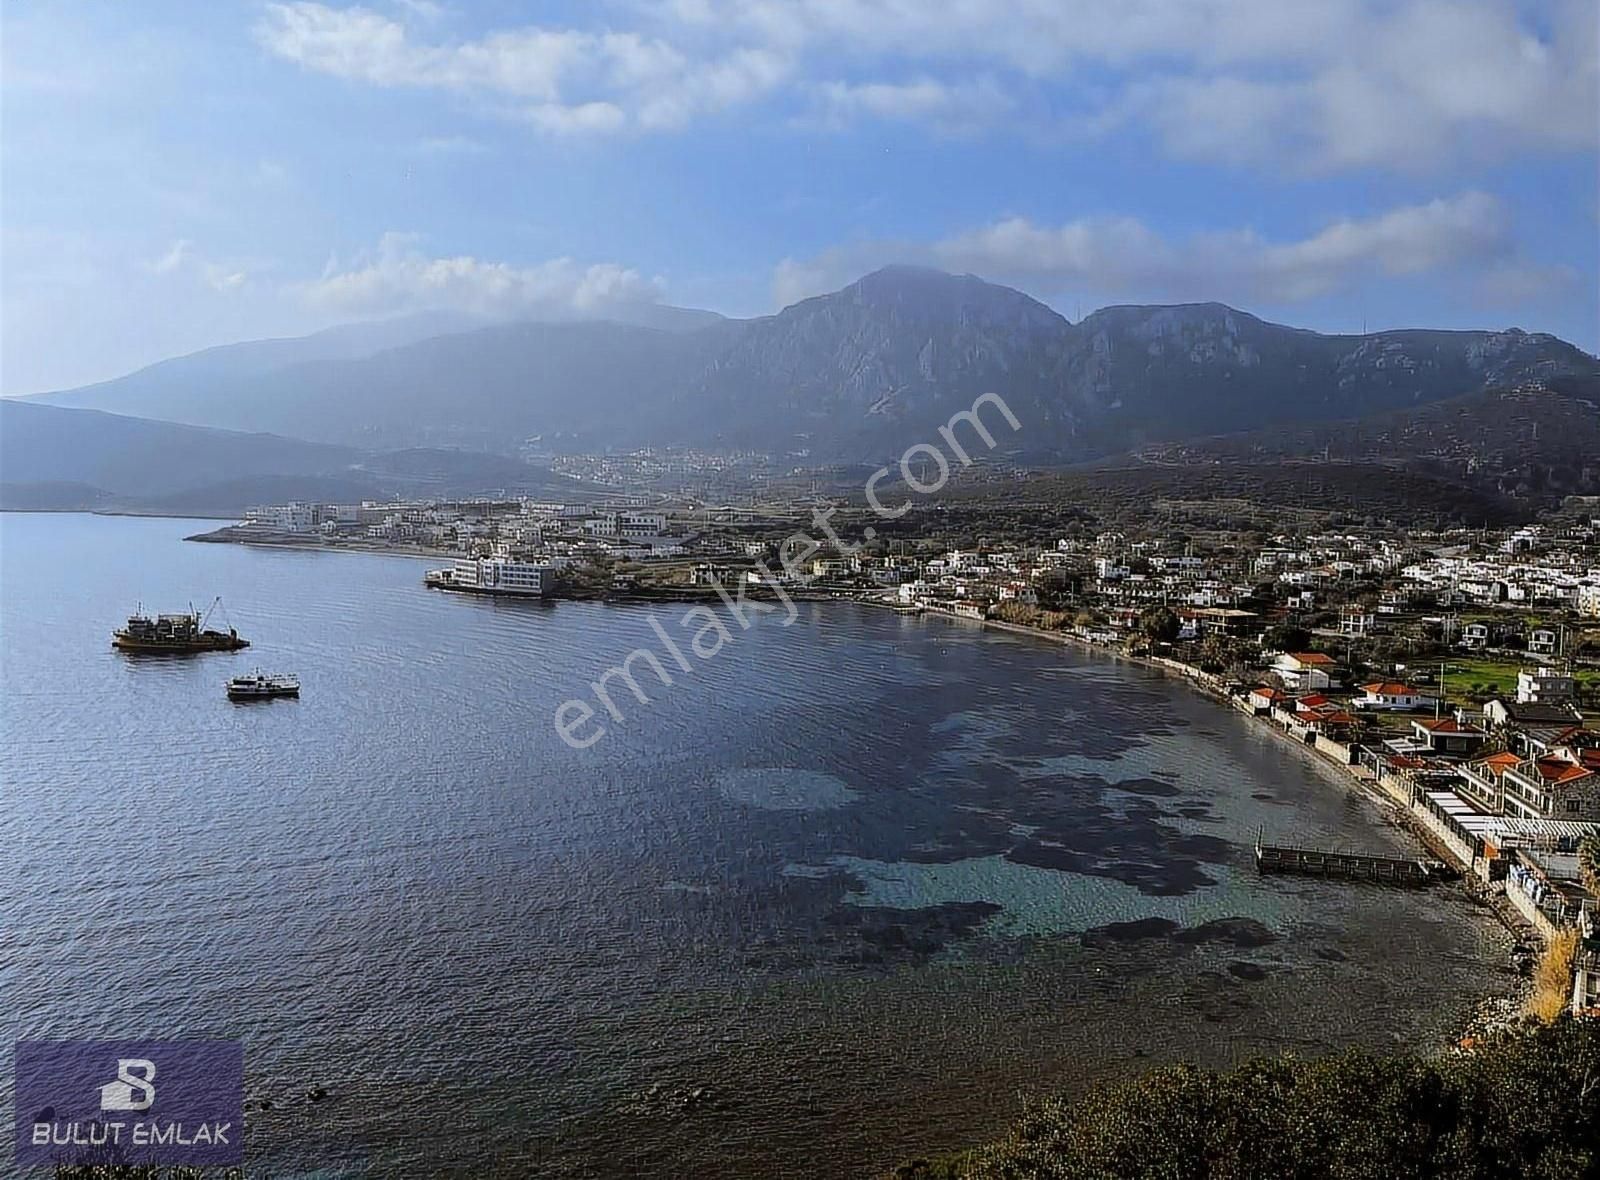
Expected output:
(175, 634)
(261, 684)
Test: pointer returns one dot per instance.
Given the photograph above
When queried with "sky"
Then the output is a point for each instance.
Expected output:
(179, 175)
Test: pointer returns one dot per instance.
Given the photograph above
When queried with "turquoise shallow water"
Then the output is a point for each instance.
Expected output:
(864, 881)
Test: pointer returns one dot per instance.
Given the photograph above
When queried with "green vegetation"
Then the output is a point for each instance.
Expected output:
(1481, 678)
(1286, 637)
(1589, 863)
(1523, 1103)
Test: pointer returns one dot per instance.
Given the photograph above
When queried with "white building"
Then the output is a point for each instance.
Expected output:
(1547, 686)
(1392, 696)
(294, 517)
(501, 575)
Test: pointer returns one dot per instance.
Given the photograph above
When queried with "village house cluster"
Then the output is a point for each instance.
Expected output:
(621, 527)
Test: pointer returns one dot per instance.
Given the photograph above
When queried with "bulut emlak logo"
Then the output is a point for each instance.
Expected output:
(97, 1102)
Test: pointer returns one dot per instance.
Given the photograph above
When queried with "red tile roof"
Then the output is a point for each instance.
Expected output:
(1559, 770)
(1311, 657)
(1388, 688)
(1446, 725)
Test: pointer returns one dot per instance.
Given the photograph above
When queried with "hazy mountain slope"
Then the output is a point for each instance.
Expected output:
(864, 373)
(117, 454)
(1173, 372)
(56, 458)
(203, 388)
(587, 382)
(180, 389)
(1541, 439)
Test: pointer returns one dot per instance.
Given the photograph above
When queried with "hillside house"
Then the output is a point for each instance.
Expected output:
(1543, 641)
(1357, 623)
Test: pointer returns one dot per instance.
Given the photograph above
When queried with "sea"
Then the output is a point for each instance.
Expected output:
(853, 889)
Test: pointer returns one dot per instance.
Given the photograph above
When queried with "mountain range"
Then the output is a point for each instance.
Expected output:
(857, 375)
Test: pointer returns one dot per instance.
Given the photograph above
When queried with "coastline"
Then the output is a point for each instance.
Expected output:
(216, 537)
(1491, 1007)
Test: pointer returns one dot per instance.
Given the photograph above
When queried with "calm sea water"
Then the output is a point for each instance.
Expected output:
(848, 892)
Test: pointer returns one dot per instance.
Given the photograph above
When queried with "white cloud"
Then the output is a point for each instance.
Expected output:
(1465, 234)
(559, 80)
(1403, 84)
(399, 277)
(183, 258)
(1337, 83)
(955, 107)
(173, 258)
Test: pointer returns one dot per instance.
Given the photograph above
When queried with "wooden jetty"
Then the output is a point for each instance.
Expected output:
(1347, 866)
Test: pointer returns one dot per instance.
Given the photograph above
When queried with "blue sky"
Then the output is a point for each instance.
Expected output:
(180, 175)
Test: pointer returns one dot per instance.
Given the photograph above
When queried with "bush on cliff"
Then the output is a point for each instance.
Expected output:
(1524, 1104)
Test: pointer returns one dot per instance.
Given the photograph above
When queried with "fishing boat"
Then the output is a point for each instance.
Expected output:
(177, 634)
(258, 685)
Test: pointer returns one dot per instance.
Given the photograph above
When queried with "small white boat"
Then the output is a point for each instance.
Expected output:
(261, 684)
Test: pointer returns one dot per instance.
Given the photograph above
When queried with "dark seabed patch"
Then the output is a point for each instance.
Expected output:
(1240, 932)
(1250, 972)
(1151, 787)
(1138, 930)
(1243, 933)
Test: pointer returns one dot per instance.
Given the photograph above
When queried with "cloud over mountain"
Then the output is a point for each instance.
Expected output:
(1465, 234)
(399, 277)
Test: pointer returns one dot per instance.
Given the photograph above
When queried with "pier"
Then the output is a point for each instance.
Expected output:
(1348, 866)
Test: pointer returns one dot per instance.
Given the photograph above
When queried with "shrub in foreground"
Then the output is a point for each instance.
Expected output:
(1523, 1103)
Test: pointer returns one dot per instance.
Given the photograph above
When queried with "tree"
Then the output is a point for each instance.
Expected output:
(1160, 625)
(1286, 637)
(1589, 863)
(1055, 589)
(1218, 653)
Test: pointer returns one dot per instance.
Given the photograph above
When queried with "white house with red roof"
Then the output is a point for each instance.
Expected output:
(1393, 696)
(1305, 670)
(1446, 735)
(1263, 698)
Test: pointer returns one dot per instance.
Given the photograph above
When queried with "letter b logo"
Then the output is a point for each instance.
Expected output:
(119, 1095)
